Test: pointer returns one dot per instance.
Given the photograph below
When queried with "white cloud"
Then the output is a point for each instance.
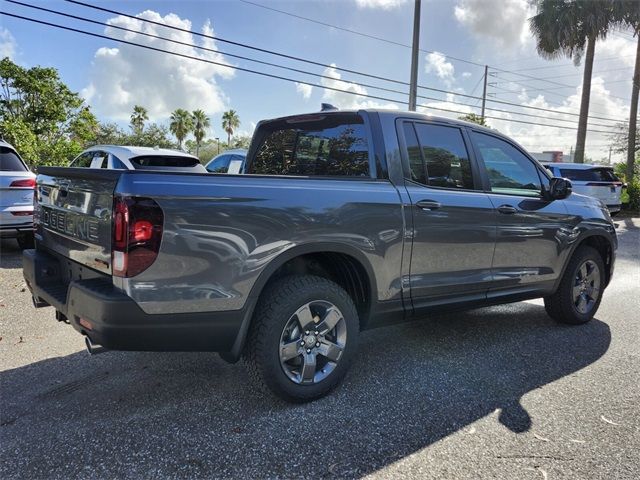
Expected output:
(8, 44)
(126, 75)
(504, 21)
(384, 4)
(344, 100)
(437, 63)
(615, 46)
(466, 74)
(304, 89)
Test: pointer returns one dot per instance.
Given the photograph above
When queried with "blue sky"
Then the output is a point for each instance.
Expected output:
(114, 77)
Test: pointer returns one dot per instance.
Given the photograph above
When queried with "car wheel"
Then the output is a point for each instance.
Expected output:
(578, 296)
(303, 338)
(25, 241)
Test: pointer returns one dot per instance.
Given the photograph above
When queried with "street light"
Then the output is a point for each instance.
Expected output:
(218, 143)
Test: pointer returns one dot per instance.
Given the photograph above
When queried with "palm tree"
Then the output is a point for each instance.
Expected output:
(138, 117)
(571, 28)
(181, 124)
(628, 13)
(230, 122)
(200, 124)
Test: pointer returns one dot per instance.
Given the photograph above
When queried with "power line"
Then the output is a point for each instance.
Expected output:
(278, 77)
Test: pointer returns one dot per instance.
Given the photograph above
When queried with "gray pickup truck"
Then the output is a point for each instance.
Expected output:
(344, 221)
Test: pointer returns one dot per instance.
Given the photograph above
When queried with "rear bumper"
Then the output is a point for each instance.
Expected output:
(95, 308)
(13, 228)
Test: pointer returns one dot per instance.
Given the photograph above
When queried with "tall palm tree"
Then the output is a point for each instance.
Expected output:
(230, 122)
(628, 13)
(571, 28)
(200, 124)
(181, 124)
(138, 117)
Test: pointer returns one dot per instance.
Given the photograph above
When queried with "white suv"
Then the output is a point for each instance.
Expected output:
(593, 180)
(16, 197)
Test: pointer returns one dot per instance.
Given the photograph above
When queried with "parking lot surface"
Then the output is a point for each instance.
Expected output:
(500, 392)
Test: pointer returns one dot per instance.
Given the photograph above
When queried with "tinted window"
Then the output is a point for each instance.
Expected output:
(445, 156)
(117, 164)
(10, 162)
(163, 161)
(220, 164)
(509, 170)
(590, 175)
(83, 160)
(416, 165)
(324, 145)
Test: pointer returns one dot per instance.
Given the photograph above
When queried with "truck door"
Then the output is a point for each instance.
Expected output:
(454, 222)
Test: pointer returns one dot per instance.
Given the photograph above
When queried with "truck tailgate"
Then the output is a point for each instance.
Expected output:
(73, 213)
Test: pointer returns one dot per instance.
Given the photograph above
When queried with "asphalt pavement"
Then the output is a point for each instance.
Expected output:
(499, 392)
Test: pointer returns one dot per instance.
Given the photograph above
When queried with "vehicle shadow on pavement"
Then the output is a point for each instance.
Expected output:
(126, 414)
(10, 254)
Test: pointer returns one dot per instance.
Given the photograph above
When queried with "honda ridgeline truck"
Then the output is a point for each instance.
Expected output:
(343, 221)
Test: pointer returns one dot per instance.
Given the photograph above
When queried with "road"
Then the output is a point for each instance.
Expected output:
(498, 392)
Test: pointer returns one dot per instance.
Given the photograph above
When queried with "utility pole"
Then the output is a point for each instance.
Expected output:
(609, 162)
(484, 90)
(415, 60)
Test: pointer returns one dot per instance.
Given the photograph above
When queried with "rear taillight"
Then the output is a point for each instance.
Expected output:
(137, 233)
(22, 214)
(26, 183)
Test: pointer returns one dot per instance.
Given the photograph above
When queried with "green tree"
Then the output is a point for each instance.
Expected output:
(571, 28)
(474, 118)
(153, 136)
(47, 122)
(242, 141)
(138, 117)
(181, 124)
(200, 124)
(230, 122)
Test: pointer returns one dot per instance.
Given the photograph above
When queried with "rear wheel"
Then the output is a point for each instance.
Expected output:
(580, 292)
(303, 338)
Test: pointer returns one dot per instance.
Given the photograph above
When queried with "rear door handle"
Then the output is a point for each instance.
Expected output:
(428, 204)
(507, 209)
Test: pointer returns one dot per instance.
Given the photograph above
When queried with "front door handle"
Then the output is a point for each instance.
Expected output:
(507, 209)
(428, 204)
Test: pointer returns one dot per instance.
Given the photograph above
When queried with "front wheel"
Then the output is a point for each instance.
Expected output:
(303, 338)
(580, 292)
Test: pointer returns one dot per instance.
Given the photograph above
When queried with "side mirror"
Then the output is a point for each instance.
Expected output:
(559, 188)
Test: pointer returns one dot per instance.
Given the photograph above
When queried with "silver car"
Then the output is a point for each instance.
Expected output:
(137, 158)
(16, 197)
(592, 180)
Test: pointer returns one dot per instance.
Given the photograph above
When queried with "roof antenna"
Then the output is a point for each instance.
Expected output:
(327, 107)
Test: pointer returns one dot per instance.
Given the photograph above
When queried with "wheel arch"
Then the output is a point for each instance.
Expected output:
(349, 273)
(602, 242)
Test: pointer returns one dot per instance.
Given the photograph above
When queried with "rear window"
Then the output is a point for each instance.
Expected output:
(10, 162)
(163, 161)
(590, 175)
(322, 145)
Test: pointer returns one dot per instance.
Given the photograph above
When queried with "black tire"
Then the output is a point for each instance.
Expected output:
(277, 306)
(25, 241)
(561, 305)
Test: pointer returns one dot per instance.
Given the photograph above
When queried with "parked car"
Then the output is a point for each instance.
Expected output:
(16, 197)
(137, 158)
(343, 221)
(593, 180)
(231, 161)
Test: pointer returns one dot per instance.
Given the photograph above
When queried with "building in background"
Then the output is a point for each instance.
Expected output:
(553, 156)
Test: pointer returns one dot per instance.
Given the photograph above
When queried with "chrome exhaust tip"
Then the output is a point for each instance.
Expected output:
(93, 348)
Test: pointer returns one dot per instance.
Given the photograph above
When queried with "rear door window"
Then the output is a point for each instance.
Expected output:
(220, 164)
(10, 162)
(332, 145)
(444, 156)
